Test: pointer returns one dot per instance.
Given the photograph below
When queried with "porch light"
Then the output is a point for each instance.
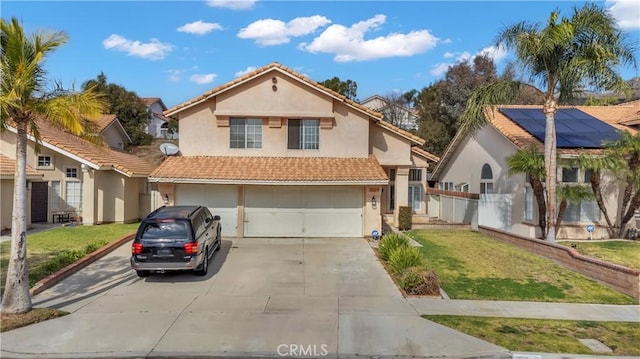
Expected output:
(166, 198)
(374, 203)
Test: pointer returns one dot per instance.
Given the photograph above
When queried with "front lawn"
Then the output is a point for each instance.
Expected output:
(473, 266)
(51, 250)
(547, 336)
(622, 252)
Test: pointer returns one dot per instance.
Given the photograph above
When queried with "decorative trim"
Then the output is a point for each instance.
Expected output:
(326, 123)
(222, 121)
(275, 122)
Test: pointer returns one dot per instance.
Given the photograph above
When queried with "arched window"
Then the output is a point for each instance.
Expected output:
(486, 179)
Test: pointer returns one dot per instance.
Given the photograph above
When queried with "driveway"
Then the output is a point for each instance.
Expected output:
(262, 298)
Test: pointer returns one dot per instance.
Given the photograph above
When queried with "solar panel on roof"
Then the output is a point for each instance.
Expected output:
(574, 128)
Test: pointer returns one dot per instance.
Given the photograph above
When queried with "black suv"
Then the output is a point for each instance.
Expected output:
(176, 238)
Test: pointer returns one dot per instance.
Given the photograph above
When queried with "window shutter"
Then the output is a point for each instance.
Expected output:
(294, 134)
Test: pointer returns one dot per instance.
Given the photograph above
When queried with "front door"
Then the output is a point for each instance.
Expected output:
(39, 201)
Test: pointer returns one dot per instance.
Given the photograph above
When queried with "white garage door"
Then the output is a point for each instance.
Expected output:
(293, 211)
(221, 200)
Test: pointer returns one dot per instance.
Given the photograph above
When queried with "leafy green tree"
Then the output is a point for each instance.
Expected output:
(562, 57)
(531, 163)
(347, 88)
(127, 106)
(25, 98)
(430, 124)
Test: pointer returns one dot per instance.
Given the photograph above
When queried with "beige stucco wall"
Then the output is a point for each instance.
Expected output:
(389, 148)
(200, 134)
(372, 214)
(110, 197)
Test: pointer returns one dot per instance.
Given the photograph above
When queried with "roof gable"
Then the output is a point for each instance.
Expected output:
(375, 116)
(8, 169)
(94, 156)
(521, 139)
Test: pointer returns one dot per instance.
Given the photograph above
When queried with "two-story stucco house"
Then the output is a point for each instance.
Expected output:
(158, 124)
(275, 154)
(72, 177)
(478, 163)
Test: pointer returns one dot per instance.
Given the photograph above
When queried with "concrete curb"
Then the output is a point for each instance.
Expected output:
(54, 278)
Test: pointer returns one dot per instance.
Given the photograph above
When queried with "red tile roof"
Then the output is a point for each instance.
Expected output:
(271, 170)
(104, 121)
(377, 116)
(100, 157)
(425, 154)
(8, 168)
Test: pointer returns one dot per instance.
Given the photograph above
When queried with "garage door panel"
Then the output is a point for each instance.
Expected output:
(221, 201)
(303, 212)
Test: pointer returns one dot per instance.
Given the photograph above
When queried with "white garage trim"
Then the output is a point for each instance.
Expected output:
(221, 200)
(303, 211)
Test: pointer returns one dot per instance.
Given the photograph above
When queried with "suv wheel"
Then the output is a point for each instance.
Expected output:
(143, 273)
(204, 267)
(219, 240)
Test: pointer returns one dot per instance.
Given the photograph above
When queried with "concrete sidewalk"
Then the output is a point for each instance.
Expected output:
(534, 310)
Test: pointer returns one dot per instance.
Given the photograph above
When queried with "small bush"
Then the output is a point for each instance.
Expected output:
(390, 242)
(404, 257)
(420, 281)
(405, 215)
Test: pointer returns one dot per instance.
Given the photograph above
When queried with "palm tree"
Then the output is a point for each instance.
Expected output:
(573, 194)
(24, 100)
(622, 158)
(531, 163)
(561, 58)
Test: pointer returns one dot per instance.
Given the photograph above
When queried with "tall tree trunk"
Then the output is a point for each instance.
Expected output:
(631, 211)
(550, 165)
(538, 192)
(17, 298)
(561, 208)
(595, 187)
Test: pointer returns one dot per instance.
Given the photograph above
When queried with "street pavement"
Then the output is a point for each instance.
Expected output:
(262, 298)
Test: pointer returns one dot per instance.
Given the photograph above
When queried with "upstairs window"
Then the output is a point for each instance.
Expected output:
(303, 134)
(245, 133)
(569, 175)
(415, 175)
(486, 179)
(45, 162)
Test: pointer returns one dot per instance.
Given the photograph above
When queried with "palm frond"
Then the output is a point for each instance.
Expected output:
(500, 92)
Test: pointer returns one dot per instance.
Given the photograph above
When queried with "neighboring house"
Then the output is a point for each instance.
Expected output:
(7, 174)
(158, 125)
(276, 154)
(79, 178)
(477, 163)
(111, 130)
(400, 116)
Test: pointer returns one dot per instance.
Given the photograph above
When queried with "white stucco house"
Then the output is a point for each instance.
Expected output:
(276, 154)
(478, 163)
(401, 116)
(158, 123)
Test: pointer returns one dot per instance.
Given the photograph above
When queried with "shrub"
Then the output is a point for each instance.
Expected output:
(420, 281)
(404, 257)
(390, 242)
(405, 215)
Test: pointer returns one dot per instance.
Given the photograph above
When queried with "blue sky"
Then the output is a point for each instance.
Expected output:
(178, 50)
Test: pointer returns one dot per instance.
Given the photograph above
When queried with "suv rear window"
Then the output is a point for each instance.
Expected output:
(164, 230)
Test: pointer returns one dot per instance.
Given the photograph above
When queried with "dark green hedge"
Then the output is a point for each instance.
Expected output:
(404, 218)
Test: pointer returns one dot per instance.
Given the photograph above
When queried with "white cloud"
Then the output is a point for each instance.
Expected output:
(269, 32)
(232, 4)
(348, 43)
(202, 79)
(153, 50)
(626, 12)
(249, 69)
(199, 27)
(495, 53)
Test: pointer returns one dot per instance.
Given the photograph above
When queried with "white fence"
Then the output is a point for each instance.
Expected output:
(494, 210)
(454, 207)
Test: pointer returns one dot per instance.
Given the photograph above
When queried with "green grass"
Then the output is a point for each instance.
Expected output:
(622, 252)
(473, 266)
(54, 249)
(547, 336)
